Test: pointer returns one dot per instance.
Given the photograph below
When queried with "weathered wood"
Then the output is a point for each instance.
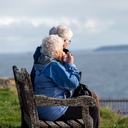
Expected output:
(43, 124)
(42, 100)
(73, 123)
(23, 122)
(19, 76)
(50, 123)
(30, 99)
(62, 124)
(29, 102)
(80, 121)
(86, 116)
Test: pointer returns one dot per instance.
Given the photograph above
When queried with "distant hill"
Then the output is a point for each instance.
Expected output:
(112, 48)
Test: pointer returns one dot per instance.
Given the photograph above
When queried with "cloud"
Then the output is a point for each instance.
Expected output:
(34, 21)
(65, 21)
(93, 23)
(76, 23)
(90, 25)
(93, 26)
(6, 21)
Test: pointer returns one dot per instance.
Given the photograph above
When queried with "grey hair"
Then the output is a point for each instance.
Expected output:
(51, 44)
(62, 32)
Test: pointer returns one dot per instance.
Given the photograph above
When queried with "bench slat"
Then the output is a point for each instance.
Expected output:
(62, 124)
(80, 121)
(73, 124)
(43, 124)
(51, 124)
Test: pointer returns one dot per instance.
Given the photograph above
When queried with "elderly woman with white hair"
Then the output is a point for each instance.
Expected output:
(55, 80)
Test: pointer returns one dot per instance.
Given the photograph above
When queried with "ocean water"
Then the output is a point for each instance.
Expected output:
(105, 73)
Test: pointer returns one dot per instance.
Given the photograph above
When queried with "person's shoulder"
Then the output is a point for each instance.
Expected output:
(38, 48)
(37, 53)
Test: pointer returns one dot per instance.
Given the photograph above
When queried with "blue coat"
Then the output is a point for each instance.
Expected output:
(55, 80)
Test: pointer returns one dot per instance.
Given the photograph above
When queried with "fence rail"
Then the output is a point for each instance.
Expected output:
(119, 105)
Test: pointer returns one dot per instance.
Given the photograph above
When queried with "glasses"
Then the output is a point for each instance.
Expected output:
(69, 42)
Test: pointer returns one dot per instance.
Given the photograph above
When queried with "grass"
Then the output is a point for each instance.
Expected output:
(111, 119)
(10, 115)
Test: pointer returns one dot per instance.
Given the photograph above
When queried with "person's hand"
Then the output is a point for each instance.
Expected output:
(69, 58)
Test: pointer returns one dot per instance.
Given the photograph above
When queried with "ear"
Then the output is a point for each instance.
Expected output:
(65, 41)
(65, 44)
(56, 53)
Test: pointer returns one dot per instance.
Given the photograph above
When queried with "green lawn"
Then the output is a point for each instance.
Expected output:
(10, 116)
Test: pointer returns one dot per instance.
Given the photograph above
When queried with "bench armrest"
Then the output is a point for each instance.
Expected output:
(42, 100)
(84, 101)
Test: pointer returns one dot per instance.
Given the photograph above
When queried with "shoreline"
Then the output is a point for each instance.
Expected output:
(6, 77)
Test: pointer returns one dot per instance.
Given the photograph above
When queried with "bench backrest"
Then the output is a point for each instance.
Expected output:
(26, 96)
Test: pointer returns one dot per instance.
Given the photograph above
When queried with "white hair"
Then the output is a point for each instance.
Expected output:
(51, 44)
(62, 32)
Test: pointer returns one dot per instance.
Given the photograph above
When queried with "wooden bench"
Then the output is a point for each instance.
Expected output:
(29, 101)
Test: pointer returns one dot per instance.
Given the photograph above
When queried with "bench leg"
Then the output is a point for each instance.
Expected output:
(88, 121)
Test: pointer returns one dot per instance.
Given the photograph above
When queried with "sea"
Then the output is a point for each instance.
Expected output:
(105, 73)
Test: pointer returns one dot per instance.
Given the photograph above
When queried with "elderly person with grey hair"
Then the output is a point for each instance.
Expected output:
(55, 79)
(62, 32)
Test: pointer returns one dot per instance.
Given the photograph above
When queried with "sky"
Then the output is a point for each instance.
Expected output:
(95, 23)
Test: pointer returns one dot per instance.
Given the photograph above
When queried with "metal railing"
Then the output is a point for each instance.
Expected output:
(119, 105)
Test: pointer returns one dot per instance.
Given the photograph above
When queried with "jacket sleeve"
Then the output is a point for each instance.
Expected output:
(65, 76)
